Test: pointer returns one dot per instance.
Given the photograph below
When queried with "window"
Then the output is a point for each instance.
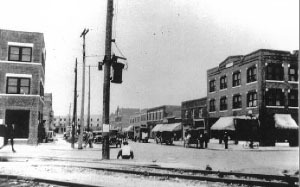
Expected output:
(236, 101)
(223, 103)
(274, 97)
(252, 99)
(212, 106)
(212, 86)
(293, 98)
(17, 53)
(274, 72)
(251, 74)
(236, 79)
(18, 85)
(223, 82)
(293, 73)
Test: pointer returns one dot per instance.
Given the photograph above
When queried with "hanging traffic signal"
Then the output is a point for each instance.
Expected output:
(117, 70)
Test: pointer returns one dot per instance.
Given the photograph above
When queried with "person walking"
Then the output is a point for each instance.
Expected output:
(226, 140)
(125, 152)
(206, 139)
(10, 133)
(90, 138)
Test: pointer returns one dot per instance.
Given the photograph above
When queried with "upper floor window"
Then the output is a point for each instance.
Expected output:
(236, 79)
(293, 98)
(293, 73)
(251, 74)
(274, 97)
(274, 72)
(17, 85)
(223, 103)
(223, 82)
(212, 105)
(236, 101)
(252, 99)
(212, 85)
(23, 54)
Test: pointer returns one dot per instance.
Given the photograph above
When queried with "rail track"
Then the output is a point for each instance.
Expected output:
(235, 178)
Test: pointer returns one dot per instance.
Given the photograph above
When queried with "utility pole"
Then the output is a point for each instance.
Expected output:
(85, 31)
(106, 84)
(74, 121)
(70, 114)
(89, 102)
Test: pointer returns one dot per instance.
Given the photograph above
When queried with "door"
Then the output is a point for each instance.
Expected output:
(21, 120)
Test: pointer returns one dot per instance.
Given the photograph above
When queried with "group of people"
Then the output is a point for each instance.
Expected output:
(201, 139)
(7, 132)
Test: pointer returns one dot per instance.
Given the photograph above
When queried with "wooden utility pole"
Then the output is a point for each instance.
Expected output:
(74, 121)
(89, 102)
(85, 31)
(106, 84)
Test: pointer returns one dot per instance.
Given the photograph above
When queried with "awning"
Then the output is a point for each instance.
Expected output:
(285, 121)
(224, 123)
(170, 127)
(128, 129)
(156, 128)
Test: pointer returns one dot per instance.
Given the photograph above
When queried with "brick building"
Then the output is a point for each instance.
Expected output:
(194, 113)
(22, 75)
(263, 83)
(137, 121)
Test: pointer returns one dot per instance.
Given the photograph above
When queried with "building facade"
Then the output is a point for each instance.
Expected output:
(48, 114)
(194, 113)
(160, 114)
(121, 118)
(262, 83)
(137, 121)
(22, 75)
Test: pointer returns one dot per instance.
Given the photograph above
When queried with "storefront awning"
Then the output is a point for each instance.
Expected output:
(224, 123)
(156, 128)
(128, 129)
(170, 127)
(285, 121)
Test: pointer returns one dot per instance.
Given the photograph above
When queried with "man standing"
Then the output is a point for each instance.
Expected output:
(125, 152)
(10, 133)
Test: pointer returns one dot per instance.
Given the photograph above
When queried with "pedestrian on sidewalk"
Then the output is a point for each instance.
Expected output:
(206, 139)
(9, 134)
(226, 139)
(125, 152)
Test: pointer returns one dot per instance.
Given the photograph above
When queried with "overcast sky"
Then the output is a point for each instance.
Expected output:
(169, 44)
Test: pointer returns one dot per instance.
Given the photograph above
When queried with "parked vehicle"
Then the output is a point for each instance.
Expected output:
(165, 137)
(144, 135)
(115, 138)
(97, 136)
(193, 137)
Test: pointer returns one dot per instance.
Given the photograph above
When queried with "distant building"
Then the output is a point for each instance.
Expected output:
(22, 78)
(137, 121)
(63, 123)
(261, 84)
(48, 114)
(121, 118)
(194, 113)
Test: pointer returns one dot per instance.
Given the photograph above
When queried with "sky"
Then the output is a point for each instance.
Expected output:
(169, 44)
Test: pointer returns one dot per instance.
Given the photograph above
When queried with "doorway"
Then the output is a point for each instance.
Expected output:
(21, 120)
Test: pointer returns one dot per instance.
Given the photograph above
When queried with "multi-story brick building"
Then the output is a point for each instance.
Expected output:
(138, 121)
(22, 74)
(263, 83)
(194, 113)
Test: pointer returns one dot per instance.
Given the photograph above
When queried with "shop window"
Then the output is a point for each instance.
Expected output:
(223, 103)
(212, 86)
(237, 101)
(16, 53)
(293, 98)
(293, 73)
(212, 105)
(251, 74)
(223, 82)
(18, 85)
(236, 79)
(274, 72)
(274, 97)
(252, 99)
